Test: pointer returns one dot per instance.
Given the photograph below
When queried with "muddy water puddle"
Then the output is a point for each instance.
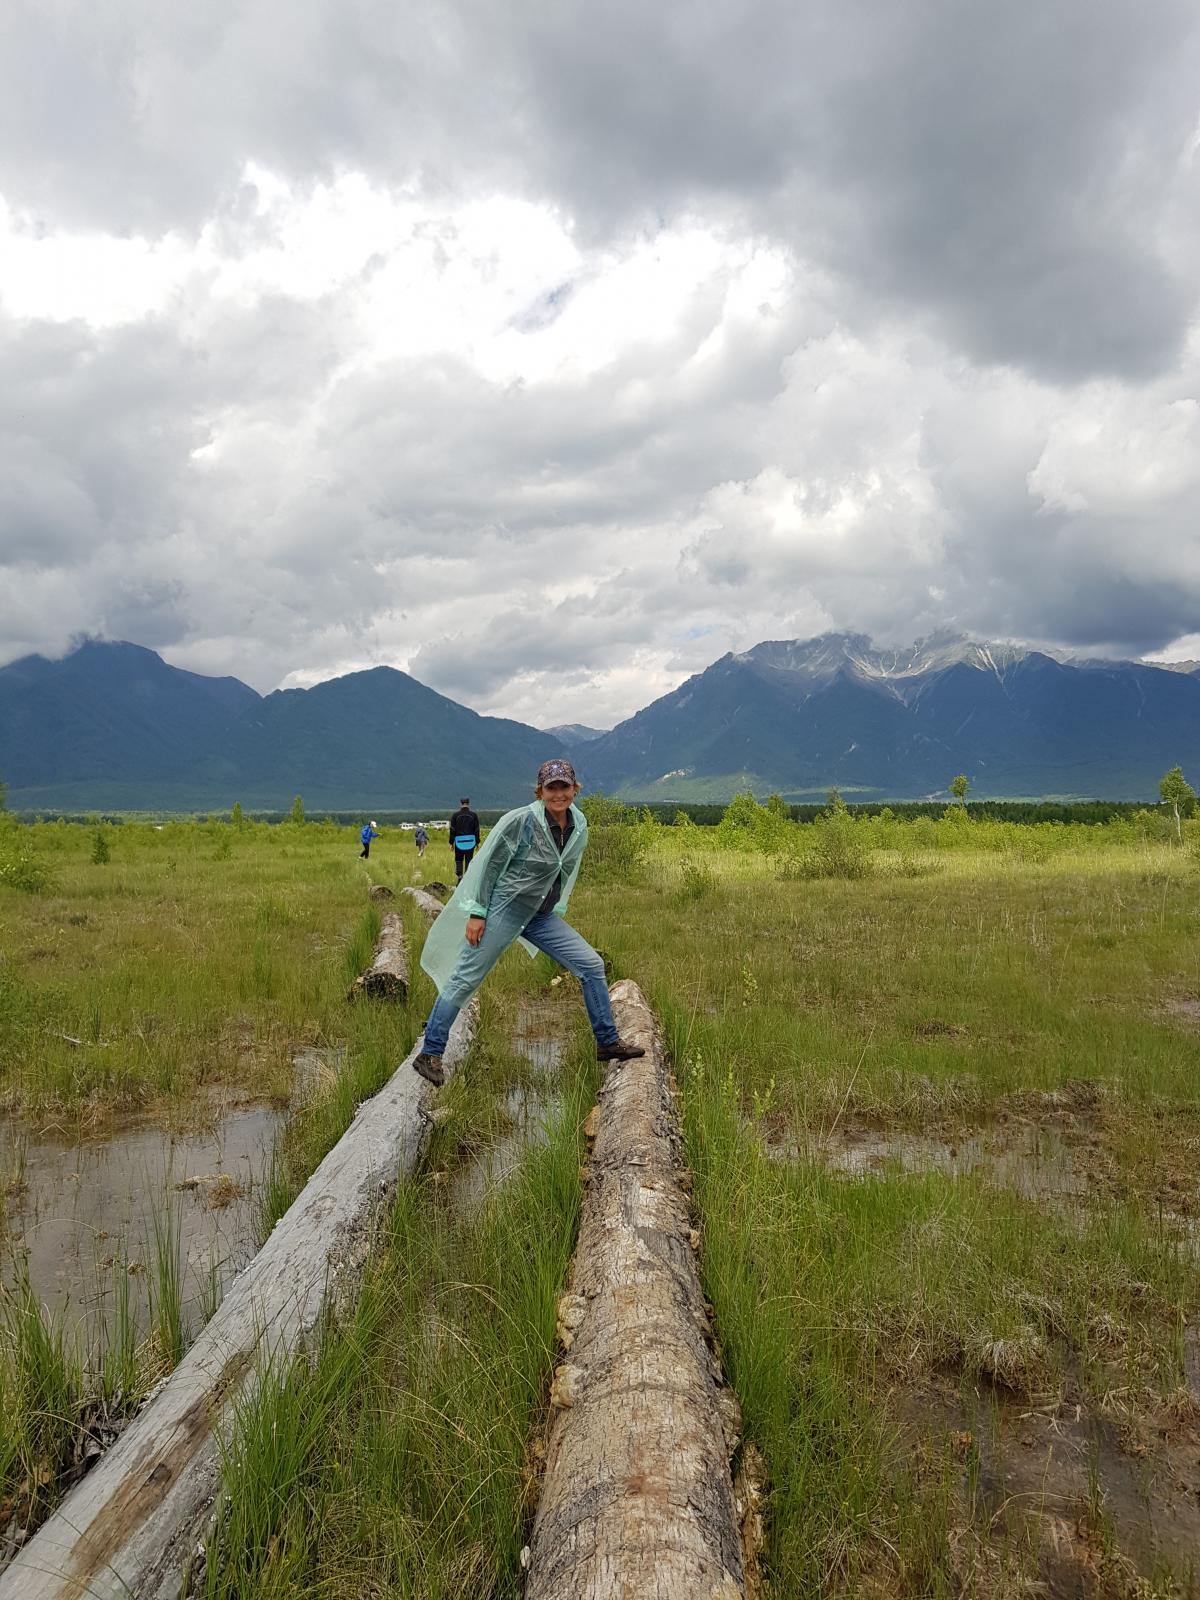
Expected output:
(527, 1111)
(74, 1213)
(78, 1213)
(1032, 1160)
(1052, 1490)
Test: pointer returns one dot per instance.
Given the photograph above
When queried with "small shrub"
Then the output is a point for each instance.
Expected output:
(20, 865)
(841, 850)
(615, 854)
(696, 882)
(100, 853)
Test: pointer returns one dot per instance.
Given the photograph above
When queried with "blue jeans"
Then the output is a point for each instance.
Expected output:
(549, 933)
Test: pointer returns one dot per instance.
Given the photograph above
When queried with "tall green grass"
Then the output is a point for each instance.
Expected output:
(398, 1462)
(198, 955)
(831, 1297)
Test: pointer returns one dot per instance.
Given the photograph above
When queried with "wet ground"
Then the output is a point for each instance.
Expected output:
(1056, 1495)
(1056, 1500)
(527, 1110)
(77, 1213)
(1031, 1159)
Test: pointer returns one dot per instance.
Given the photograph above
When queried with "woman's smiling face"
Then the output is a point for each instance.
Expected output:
(556, 796)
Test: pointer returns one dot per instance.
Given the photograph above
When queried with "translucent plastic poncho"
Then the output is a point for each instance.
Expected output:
(515, 867)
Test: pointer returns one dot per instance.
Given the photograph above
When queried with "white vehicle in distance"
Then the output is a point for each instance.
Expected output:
(408, 827)
(444, 824)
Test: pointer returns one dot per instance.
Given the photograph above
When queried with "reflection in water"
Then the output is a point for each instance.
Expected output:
(75, 1214)
(1031, 1160)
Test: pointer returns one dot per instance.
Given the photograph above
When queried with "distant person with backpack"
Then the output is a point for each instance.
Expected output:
(464, 836)
(518, 888)
(369, 832)
(421, 838)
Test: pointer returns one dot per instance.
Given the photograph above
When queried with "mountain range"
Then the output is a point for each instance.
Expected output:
(114, 726)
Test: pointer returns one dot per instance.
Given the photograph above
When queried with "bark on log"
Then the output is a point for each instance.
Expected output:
(637, 1498)
(387, 976)
(428, 904)
(130, 1527)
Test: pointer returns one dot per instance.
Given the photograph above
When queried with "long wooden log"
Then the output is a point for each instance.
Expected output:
(387, 976)
(637, 1498)
(130, 1528)
(428, 903)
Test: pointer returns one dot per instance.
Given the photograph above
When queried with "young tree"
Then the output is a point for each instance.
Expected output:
(959, 787)
(296, 814)
(99, 848)
(1177, 793)
(237, 817)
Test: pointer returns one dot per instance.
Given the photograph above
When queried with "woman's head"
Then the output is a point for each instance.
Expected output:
(556, 783)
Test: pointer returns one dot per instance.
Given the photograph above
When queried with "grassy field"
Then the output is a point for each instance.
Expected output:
(940, 1085)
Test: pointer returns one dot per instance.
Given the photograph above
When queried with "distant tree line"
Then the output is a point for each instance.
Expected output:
(703, 814)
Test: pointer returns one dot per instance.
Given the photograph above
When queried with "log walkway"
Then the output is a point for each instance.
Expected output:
(131, 1526)
(637, 1498)
(387, 976)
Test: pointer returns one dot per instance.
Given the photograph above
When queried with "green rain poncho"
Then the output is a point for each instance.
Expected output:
(507, 881)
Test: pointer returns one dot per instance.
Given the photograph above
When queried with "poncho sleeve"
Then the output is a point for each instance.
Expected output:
(472, 896)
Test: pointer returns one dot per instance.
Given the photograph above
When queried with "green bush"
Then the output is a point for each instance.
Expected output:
(696, 882)
(20, 865)
(615, 854)
(842, 848)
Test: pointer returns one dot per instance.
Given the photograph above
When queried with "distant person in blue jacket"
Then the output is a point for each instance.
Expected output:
(421, 838)
(464, 836)
(369, 832)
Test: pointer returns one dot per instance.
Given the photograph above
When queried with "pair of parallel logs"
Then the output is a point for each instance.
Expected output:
(637, 1498)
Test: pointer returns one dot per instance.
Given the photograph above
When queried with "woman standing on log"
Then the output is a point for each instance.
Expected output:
(518, 887)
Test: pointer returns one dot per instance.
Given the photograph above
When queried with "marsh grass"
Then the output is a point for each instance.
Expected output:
(1007, 984)
(399, 1461)
(66, 1389)
(200, 954)
(832, 1296)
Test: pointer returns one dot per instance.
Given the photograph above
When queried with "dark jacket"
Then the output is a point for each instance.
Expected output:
(464, 821)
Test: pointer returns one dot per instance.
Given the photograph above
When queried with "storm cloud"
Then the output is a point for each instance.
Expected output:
(549, 354)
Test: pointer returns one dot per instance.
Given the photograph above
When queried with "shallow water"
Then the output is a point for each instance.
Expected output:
(76, 1213)
(1034, 1161)
(528, 1107)
(1031, 1471)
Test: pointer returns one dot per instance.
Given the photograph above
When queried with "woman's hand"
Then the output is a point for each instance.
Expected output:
(475, 927)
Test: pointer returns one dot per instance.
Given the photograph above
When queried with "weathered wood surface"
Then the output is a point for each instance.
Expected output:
(387, 976)
(131, 1526)
(427, 902)
(637, 1499)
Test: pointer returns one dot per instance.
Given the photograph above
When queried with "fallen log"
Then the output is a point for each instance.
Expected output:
(130, 1528)
(637, 1497)
(427, 902)
(387, 976)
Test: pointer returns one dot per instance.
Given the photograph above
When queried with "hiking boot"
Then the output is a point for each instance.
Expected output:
(430, 1068)
(619, 1050)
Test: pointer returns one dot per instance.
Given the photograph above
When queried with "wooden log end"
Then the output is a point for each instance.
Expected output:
(384, 986)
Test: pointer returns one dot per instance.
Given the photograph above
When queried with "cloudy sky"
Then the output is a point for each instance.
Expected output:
(549, 351)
